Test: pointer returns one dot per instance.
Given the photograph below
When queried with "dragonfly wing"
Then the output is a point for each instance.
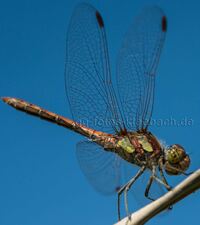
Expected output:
(101, 168)
(137, 64)
(107, 172)
(88, 80)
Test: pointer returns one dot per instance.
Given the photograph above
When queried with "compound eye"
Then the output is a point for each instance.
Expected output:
(174, 157)
(175, 154)
(177, 161)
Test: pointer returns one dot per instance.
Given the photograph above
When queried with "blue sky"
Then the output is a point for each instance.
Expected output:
(40, 179)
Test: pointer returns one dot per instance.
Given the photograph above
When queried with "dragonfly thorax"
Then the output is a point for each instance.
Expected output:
(139, 148)
(143, 148)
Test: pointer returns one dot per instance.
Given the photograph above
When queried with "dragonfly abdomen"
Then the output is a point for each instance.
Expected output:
(98, 136)
(38, 111)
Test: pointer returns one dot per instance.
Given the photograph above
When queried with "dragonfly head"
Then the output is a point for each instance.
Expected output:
(177, 161)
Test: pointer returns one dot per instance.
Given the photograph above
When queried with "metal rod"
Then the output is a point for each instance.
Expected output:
(182, 190)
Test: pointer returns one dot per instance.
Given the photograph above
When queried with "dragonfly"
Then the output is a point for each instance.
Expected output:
(115, 123)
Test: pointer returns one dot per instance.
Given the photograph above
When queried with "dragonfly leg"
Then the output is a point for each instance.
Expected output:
(118, 200)
(154, 177)
(121, 190)
(128, 186)
(150, 183)
(187, 174)
(125, 189)
(160, 168)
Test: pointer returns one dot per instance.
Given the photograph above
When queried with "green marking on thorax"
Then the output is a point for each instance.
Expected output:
(145, 143)
(126, 145)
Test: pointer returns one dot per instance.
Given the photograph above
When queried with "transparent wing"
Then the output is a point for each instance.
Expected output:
(107, 172)
(101, 168)
(88, 80)
(137, 64)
